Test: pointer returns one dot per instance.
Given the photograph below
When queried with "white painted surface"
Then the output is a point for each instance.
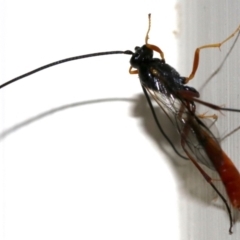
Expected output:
(102, 170)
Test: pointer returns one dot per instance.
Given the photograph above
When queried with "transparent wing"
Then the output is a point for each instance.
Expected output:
(178, 115)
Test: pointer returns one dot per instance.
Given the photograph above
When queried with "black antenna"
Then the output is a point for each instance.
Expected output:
(63, 61)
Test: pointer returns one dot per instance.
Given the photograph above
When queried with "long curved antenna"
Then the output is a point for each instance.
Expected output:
(63, 61)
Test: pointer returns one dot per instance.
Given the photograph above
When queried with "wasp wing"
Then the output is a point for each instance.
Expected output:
(178, 115)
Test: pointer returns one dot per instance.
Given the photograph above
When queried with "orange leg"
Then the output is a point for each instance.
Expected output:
(153, 47)
(133, 71)
(230, 133)
(204, 115)
(156, 49)
(197, 53)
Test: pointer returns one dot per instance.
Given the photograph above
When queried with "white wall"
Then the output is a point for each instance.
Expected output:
(101, 170)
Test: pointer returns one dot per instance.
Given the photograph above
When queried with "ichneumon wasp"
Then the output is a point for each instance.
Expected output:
(162, 84)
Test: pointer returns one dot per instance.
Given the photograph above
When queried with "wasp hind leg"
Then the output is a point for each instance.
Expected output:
(197, 54)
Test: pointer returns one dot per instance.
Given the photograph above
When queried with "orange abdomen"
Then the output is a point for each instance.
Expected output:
(228, 172)
(231, 179)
